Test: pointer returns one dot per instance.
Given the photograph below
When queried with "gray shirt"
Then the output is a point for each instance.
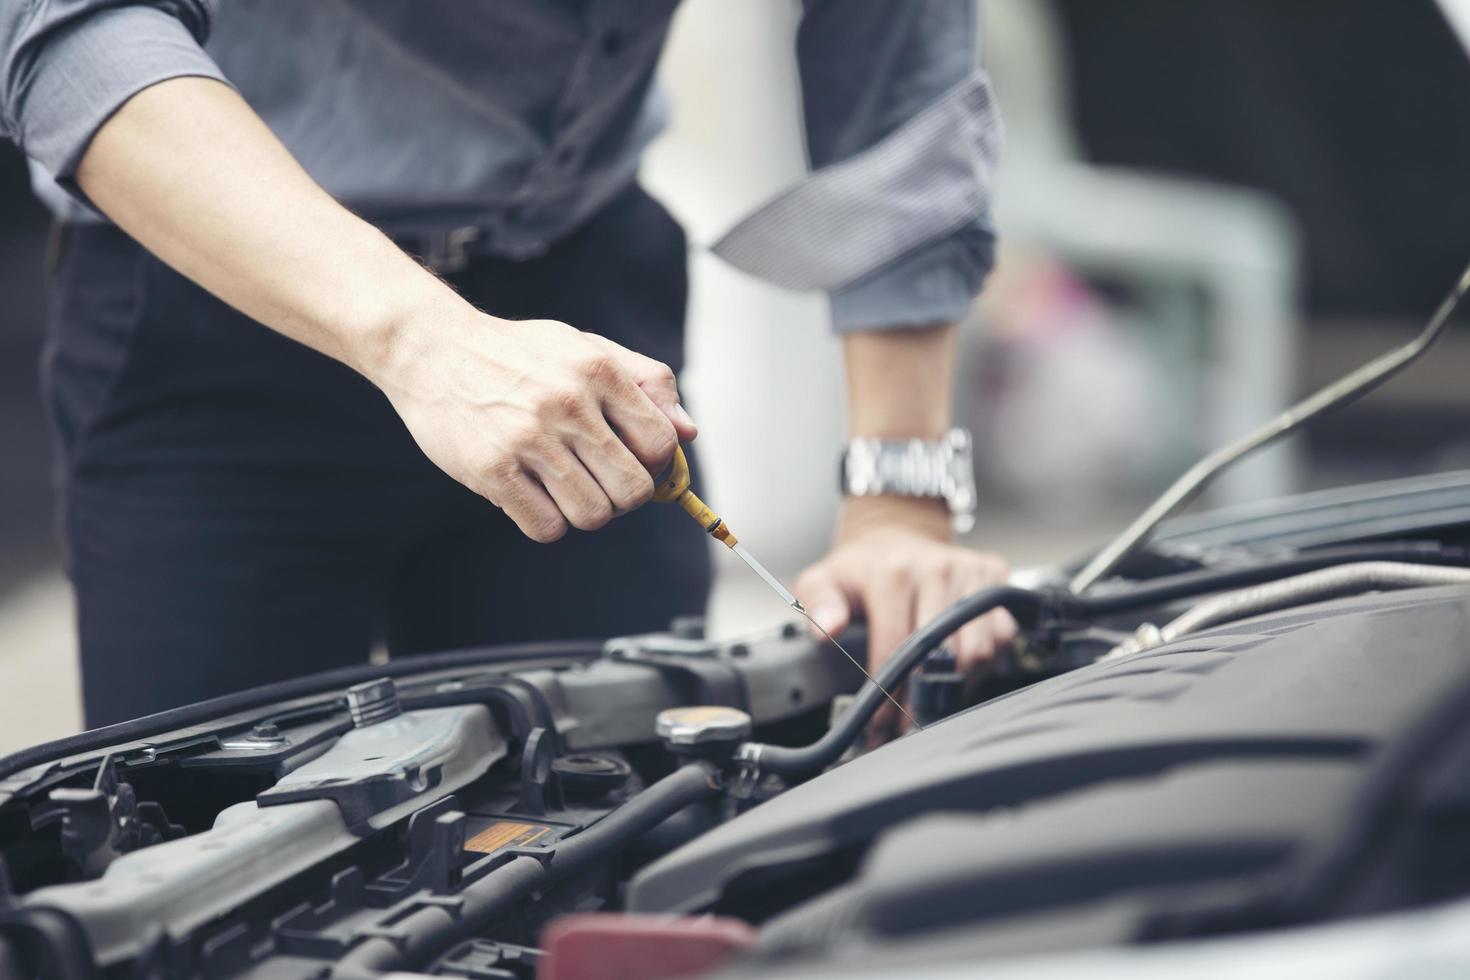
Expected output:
(522, 117)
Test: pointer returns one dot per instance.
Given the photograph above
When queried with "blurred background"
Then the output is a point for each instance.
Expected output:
(1207, 208)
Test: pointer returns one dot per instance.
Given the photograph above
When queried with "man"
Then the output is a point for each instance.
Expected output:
(247, 370)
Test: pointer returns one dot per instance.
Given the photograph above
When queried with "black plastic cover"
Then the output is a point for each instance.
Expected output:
(1206, 760)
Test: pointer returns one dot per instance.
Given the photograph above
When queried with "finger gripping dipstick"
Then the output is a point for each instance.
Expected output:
(674, 489)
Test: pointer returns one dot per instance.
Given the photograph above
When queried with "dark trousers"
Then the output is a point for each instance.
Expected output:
(238, 509)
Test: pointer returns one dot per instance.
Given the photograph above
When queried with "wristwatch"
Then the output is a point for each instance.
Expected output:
(915, 468)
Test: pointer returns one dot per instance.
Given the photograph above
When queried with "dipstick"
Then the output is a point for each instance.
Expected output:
(674, 489)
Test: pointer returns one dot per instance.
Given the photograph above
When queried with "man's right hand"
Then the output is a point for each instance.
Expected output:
(555, 426)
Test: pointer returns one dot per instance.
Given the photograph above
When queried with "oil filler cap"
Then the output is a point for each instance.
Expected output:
(705, 727)
(587, 776)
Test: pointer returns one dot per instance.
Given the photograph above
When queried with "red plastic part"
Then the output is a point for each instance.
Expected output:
(612, 946)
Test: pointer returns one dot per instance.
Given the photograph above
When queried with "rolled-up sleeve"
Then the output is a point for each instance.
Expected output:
(894, 217)
(67, 65)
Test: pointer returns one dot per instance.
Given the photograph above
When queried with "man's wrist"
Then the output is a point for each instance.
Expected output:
(928, 516)
(392, 335)
(899, 382)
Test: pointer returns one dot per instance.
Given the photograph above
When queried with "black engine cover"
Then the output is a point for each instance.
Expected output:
(1215, 757)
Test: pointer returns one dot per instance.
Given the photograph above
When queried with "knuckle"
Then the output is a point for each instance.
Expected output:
(941, 572)
(662, 440)
(487, 488)
(599, 367)
(541, 445)
(520, 438)
(502, 469)
(569, 403)
(545, 528)
(635, 491)
(560, 471)
(895, 577)
(591, 516)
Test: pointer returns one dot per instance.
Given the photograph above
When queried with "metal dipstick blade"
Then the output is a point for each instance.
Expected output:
(858, 664)
(794, 603)
(770, 579)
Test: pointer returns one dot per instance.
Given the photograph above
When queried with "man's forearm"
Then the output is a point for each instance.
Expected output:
(900, 382)
(899, 386)
(894, 561)
(555, 426)
(192, 173)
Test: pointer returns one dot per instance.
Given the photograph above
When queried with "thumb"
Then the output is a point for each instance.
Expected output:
(824, 598)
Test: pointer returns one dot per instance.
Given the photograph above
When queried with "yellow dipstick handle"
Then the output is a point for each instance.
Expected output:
(674, 489)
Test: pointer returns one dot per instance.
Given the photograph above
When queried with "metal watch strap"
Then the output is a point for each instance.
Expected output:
(915, 468)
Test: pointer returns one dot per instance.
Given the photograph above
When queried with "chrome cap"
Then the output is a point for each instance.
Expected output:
(702, 725)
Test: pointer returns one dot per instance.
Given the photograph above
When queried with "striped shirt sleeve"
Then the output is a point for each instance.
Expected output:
(67, 65)
(894, 217)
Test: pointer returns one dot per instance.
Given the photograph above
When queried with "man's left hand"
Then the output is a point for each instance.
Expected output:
(894, 563)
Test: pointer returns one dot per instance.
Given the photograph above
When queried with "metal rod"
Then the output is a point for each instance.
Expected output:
(795, 603)
(766, 576)
(1197, 477)
(858, 664)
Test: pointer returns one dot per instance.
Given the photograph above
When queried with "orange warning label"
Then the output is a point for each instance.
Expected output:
(505, 833)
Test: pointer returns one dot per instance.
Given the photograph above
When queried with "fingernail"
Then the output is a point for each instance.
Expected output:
(829, 615)
(680, 415)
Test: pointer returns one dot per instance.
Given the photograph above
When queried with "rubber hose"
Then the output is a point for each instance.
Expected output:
(795, 764)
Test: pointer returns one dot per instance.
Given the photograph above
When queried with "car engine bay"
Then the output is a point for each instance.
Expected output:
(1256, 725)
